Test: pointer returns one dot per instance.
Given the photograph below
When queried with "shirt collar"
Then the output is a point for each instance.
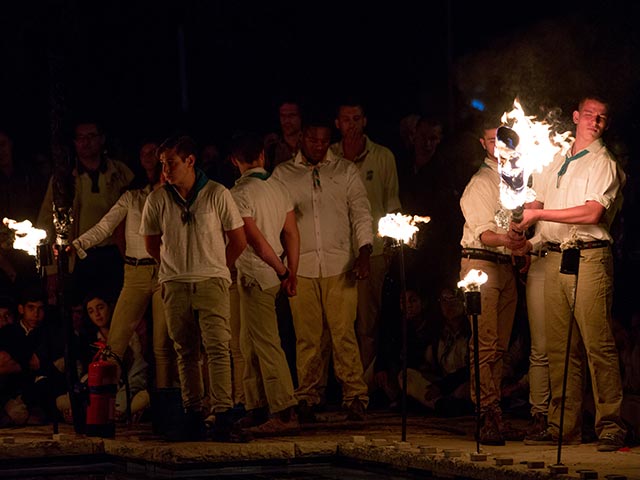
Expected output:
(367, 147)
(330, 157)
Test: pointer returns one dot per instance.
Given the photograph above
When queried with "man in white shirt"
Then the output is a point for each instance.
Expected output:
(377, 167)
(99, 182)
(186, 225)
(577, 205)
(486, 246)
(267, 212)
(334, 220)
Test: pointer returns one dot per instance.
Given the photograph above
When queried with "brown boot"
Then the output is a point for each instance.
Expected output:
(537, 426)
(490, 428)
(281, 423)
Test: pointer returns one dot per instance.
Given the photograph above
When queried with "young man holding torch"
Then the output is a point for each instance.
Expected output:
(488, 247)
(577, 205)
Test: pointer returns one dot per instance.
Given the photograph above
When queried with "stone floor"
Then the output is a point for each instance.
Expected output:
(435, 448)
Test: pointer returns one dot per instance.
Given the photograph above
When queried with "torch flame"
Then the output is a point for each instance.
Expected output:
(473, 280)
(400, 227)
(27, 238)
(536, 148)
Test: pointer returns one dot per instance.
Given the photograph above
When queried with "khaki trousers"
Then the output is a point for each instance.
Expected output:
(267, 379)
(591, 330)
(499, 298)
(210, 299)
(141, 287)
(539, 388)
(237, 360)
(327, 306)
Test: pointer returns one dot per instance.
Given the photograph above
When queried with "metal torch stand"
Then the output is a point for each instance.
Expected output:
(62, 221)
(403, 351)
(473, 306)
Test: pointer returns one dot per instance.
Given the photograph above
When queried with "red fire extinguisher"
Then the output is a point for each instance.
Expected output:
(103, 385)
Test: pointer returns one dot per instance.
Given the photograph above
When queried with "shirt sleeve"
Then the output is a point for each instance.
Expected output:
(478, 205)
(604, 183)
(107, 224)
(228, 211)
(150, 223)
(243, 202)
(359, 208)
(391, 188)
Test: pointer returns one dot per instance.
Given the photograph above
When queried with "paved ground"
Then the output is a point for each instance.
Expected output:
(33, 450)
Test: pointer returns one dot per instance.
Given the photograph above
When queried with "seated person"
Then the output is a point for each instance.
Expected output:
(30, 360)
(420, 331)
(99, 309)
(441, 382)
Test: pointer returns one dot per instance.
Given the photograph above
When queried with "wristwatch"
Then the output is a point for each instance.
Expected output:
(284, 276)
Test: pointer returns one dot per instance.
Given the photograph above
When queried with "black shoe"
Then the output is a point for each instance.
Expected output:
(224, 429)
(306, 413)
(253, 418)
(609, 443)
(356, 411)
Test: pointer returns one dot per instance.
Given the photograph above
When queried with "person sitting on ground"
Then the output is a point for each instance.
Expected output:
(99, 310)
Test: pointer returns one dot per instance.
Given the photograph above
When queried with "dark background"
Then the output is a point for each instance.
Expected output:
(124, 61)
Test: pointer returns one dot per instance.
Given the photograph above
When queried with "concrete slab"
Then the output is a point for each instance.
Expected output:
(330, 440)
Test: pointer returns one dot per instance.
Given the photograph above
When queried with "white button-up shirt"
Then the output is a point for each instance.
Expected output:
(194, 251)
(593, 177)
(331, 205)
(129, 205)
(479, 203)
(267, 202)
(378, 173)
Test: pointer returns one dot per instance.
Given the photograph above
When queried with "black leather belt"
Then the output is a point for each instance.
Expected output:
(480, 254)
(555, 247)
(139, 261)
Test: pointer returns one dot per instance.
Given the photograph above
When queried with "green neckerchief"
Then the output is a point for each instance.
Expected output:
(201, 181)
(567, 161)
(260, 175)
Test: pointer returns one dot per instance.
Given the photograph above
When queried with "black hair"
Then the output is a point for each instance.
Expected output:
(246, 147)
(32, 292)
(350, 101)
(183, 145)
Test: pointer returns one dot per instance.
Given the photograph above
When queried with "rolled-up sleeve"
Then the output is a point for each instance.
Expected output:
(359, 208)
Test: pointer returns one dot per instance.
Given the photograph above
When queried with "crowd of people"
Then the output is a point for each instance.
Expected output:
(256, 285)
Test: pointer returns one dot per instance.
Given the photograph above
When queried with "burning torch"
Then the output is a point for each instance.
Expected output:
(402, 229)
(471, 287)
(31, 240)
(522, 147)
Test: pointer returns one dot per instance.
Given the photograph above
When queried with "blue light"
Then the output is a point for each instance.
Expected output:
(477, 104)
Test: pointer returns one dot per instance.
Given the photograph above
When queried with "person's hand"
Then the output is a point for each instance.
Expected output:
(361, 266)
(290, 285)
(529, 217)
(70, 249)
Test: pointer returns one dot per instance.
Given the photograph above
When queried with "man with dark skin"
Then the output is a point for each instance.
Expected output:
(332, 212)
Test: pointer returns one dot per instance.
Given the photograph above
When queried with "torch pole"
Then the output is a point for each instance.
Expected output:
(403, 352)
(474, 308)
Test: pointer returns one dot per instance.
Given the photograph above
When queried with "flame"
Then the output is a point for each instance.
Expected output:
(473, 280)
(27, 238)
(400, 227)
(536, 149)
